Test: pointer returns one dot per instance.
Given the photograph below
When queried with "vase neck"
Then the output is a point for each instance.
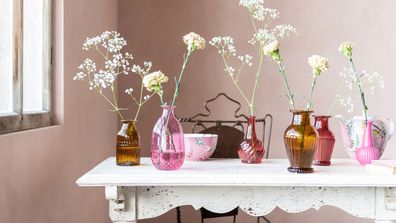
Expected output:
(251, 128)
(368, 136)
(322, 122)
(168, 111)
(301, 117)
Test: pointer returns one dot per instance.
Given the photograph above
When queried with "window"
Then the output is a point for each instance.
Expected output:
(25, 64)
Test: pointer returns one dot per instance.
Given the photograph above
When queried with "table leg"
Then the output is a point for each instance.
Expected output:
(122, 204)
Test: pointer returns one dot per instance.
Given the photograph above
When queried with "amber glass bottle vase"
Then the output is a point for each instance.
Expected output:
(128, 145)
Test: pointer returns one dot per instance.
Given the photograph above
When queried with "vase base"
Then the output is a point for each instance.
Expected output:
(250, 162)
(321, 163)
(128, 164)
(300, 170)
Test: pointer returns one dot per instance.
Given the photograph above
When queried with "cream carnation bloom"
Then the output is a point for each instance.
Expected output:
(271, 47)
(194, 41)
(319, 64)
(153, 80)
(346, 46)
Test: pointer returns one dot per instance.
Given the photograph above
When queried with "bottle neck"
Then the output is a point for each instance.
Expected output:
(368, 136)
(168, 111)
(251, 128)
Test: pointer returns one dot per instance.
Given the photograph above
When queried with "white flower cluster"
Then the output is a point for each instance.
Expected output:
(87, 67)
(255, 7)
(370, 81)
(265, 36)
(247, 59)
(119, 61)
(129, 91)
(111, 41)
(102, 79)
(230, 70)
(345, 102)
(142, 71)
(224, 44)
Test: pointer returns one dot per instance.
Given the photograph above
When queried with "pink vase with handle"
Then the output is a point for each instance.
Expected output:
(367, 152)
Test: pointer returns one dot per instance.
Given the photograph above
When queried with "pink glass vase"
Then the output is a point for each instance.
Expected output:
(251, 149)
(326, 140)
(367, 152)
(167, 142)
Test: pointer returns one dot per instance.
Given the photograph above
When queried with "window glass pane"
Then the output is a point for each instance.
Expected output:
(33, 71)
(6, 56)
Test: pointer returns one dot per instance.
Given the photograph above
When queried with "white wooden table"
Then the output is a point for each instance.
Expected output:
(221, 185)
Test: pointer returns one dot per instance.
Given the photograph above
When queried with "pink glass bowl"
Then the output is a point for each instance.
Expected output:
(199, 147)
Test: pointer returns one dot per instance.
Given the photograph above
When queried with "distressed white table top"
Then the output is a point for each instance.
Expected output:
(231, 172)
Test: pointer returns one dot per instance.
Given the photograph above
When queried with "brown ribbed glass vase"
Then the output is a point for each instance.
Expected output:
(326, 140)
(128, 145)
(300, 142)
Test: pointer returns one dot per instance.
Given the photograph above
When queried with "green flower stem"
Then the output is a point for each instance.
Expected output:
(236, 83)
(114, 106)
(290, 95)
(177, 88)
(140, 103)
(359, 83)
(261, 53)
(309, 104)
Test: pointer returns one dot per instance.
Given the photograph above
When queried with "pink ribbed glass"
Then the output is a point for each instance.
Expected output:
(367, 152)
(251, 149)
(167, 142)
(326, 140)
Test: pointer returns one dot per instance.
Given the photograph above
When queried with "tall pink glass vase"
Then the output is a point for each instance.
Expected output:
(367, 152)
(167, 142)
(326, 140)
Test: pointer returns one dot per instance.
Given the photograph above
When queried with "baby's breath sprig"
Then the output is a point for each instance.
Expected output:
(261, 19)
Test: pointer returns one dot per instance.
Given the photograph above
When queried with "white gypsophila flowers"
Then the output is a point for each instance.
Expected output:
(147, 97)
(119, 61)
(129, 91)
(346, 102)
(194, 41)
(278, 32)
(102, 79)
(247, 59)
(224, 45)
(154, 80)
(319, 64)
(255, 7)
(111, 41)
(230, 70)
(142, 71)
(271, 48)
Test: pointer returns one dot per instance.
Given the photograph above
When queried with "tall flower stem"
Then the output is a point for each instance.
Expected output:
(309, 104)
(359, 83)
(261, 53)
(177, 88)
(289, 94)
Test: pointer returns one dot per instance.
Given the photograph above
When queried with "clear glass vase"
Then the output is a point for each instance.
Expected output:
(128, 145)
(167, 142)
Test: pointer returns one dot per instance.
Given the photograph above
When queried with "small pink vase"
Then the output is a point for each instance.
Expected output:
(367, 152)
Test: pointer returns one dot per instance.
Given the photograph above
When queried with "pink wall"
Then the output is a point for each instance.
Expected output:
(154, 30)
(38, 168)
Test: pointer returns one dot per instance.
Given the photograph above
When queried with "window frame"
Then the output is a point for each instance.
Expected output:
(19, 120)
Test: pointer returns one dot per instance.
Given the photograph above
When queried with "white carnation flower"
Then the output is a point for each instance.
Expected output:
(194, 41)
(154, 80)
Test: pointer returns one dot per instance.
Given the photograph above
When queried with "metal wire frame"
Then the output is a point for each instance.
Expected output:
(240, 120)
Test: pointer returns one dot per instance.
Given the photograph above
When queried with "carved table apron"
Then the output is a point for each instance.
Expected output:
(221, 185)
